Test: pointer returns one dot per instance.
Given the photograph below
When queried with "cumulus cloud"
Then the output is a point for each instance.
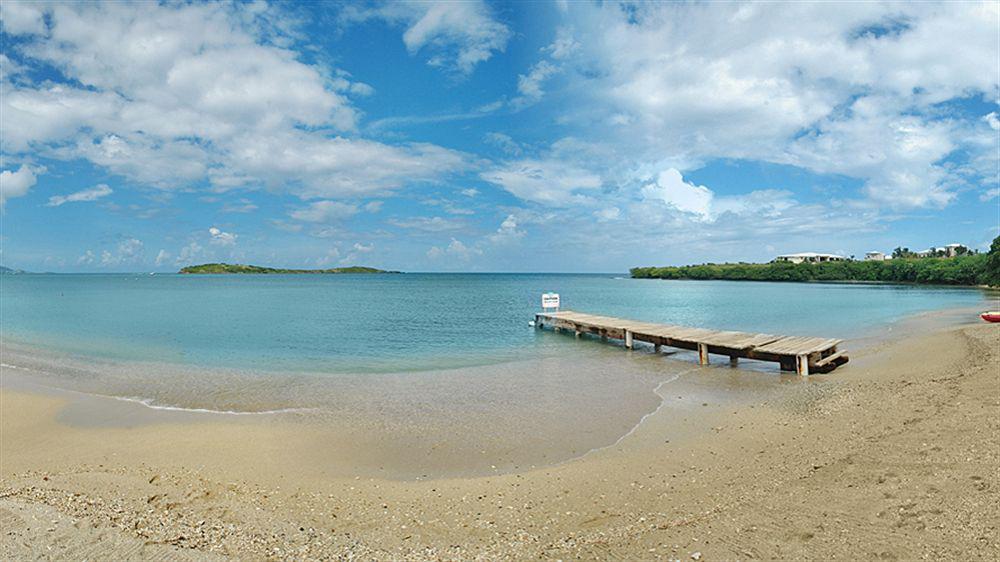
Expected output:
(810, 84)
(459, 35)
(507, 232)
(90, 194)
(455, 249)
(22, 18)
(173, 94)
(550, 181)
(702, 204)
(188, 254)
(86, 258)
(328, 258)
(671, 189)
(128, 251)
(16, 183)
(220, 238)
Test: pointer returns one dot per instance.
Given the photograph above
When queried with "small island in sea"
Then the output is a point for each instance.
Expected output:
(215, 268)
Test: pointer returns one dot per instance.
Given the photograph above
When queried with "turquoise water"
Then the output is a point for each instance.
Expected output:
(409, 322)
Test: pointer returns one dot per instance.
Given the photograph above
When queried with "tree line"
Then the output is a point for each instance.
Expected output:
(970, 268)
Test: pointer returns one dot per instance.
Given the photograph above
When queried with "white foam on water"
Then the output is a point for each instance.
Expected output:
(148, 402)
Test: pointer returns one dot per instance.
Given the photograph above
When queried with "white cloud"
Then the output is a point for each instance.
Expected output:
(993, 121)
(325, 212)
(90, 194)
(16, 184)
(671, 188)
(328, 258)
(507, 232)
(550, 181)
(361, 248)
(162, 257)
(702, 204)
(851, 92)
(470, 192)
(172, 94)
(20, 18)
(459, 34)
(607, 214)
(241, 206)
(87, 258)
(504, 143)
(128, 251)
(221, 238)
(455, 249)
(428, 224)
(529, 85)
(189, 254)
(565, 44)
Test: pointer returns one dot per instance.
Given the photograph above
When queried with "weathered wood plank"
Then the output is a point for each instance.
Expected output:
(801, 353)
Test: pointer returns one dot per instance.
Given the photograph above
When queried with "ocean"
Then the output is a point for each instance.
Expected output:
(414, 374)
(409, 322)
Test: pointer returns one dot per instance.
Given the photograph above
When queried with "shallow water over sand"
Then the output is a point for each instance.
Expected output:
(387, 376)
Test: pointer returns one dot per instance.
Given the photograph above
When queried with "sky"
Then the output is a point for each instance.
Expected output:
(489, 136)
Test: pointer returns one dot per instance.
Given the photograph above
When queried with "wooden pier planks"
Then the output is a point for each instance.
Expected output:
(798, 353)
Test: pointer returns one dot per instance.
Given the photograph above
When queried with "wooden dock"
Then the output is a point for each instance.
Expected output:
(794, 353)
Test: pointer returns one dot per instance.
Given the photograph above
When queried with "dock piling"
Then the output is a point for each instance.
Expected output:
(702, 354)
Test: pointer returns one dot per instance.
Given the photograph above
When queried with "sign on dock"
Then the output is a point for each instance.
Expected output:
(550, 301)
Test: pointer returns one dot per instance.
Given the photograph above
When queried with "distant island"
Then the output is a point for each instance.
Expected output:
(975, 269)
(241, 268)
(9, 271)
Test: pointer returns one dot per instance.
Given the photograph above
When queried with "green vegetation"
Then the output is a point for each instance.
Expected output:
(240, 268)
(969, 269)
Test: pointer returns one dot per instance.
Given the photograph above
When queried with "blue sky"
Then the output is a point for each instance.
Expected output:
(484, 136)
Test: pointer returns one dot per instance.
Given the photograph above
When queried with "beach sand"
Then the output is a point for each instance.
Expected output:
(895, 456)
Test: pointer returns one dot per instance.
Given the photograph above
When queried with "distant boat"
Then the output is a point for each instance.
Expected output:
(991, 316)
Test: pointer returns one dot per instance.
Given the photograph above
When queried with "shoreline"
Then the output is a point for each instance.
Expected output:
(782, 477)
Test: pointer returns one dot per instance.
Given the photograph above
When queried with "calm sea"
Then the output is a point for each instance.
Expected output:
(408, 322)
(416, 374)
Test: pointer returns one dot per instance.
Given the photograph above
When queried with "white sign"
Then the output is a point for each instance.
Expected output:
(550, 300)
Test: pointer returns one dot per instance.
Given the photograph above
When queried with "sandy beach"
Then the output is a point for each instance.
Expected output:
(894, 456)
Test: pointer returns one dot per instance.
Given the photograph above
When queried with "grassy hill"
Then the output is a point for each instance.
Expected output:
(241, 268)
(979, 269)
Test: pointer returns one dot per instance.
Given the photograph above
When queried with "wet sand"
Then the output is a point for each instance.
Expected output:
(894, 456)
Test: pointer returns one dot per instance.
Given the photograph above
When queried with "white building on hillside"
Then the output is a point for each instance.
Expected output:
(948, 251)
(876, 256)
(809, 257)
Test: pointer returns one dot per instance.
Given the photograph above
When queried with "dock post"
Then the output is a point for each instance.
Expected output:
(577, 334)
(734, 360)
(702, 354)
(628, 339)
(657, 347)
(802, 364)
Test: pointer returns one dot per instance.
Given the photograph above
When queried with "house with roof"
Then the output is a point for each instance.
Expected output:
(876, 256)
(809, 257)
